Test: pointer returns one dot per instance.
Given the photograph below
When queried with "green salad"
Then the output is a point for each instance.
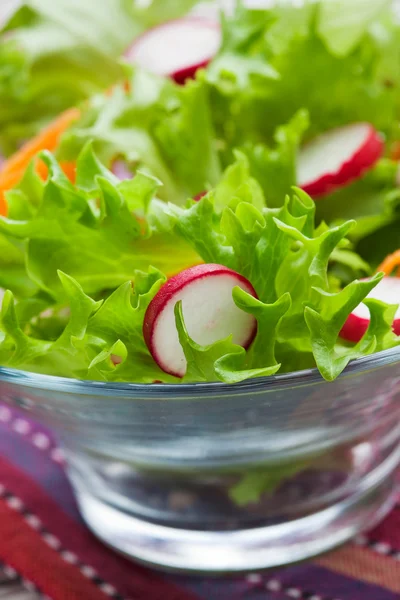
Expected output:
(216, 214)
(56, 54)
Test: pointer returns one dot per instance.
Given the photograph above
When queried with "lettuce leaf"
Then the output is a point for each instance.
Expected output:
(158, 126)
(88, 230)
(342, 25)
(254, 484)
(284, 255)
(228, 362)
(53, 55)
(260, 97)
(274, 167)
(107, 234)
(152, 12)
(355, 76)
(95, 332)
(117, 329)
(326, 57)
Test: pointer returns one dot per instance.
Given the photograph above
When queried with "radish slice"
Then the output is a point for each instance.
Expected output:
(209, 312)
(178, 48)
(337, 157)
(387, 290)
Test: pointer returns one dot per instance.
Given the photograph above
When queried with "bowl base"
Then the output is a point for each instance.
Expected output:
(219, 552)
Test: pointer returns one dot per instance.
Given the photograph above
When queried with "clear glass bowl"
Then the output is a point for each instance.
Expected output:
(156, 469)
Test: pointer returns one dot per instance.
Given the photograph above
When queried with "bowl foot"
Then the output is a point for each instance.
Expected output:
(219, 552)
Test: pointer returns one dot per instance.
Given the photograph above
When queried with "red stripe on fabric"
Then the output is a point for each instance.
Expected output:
(128, 578)
(388, 531)
(23, 549)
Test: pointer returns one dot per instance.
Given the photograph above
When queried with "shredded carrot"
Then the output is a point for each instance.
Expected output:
(14, 168)
(390, 263)
(69, 169)
(395, 151)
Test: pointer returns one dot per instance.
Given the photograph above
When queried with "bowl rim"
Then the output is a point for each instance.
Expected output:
(51, 383)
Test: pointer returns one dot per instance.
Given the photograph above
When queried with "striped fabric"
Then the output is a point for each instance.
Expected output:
(44, 542)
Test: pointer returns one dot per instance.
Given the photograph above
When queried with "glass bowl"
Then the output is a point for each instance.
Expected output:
(215, 478)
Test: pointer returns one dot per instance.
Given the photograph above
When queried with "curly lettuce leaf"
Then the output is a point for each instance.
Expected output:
(284, 255)
(101, 340)
(325, 319)
(53, 55)
(356, 82)
(108, 233)
(231, 363)
(22, 203)
(158, 126)
(269, 317)
(350, 80)
(88, 230)
(259, 80)
(53, 358)
(274, 167)
(222, 360)
(117, 329)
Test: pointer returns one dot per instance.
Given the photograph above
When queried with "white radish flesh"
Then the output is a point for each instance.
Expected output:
(388, 291)
(338, 157)
(209, 313)
(178, 48)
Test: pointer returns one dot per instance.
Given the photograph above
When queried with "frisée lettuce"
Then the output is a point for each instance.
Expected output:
(214, 180)
(93, 260)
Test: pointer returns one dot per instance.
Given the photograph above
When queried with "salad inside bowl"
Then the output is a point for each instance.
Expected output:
(223, 222)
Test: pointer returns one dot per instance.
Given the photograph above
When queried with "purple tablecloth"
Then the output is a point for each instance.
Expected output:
(42, 537)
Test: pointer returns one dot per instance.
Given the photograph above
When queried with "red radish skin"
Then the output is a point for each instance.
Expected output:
(198, 197)
(387, 290)
(189, 72)
(354, 329)
(177, 49)
(209, 311)
(337, 158)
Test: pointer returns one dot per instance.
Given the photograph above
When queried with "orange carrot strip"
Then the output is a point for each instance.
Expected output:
(69, 169)
(14, 168)
(395, 151)
(390, 263)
